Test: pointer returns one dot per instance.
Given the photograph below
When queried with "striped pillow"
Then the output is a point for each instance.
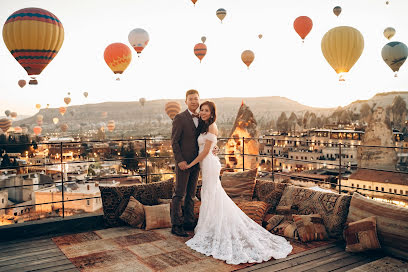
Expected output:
(392, 223)
(255, 210)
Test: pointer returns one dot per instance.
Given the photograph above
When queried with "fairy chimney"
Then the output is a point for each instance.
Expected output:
(244, 128)
(378, 133)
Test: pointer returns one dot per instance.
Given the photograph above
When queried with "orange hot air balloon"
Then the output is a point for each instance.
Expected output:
(111, 125)
(302, 26)
(13, 114)
(172, 108)
(37, 106)
(33, 36)
(37, 130)
(118, 57)
(22, 83)
(194, 2)
(18, 130)
(62, 110)
(64, 127)
(200, 50)
(247, 57)
(5, 124)
(67, 100)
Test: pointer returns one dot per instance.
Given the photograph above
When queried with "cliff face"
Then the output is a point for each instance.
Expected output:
(378, 133)
(244, 126)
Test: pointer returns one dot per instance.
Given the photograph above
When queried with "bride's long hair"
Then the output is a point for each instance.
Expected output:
(203, 125)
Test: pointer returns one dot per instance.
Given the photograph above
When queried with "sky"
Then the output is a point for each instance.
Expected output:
(167, 67)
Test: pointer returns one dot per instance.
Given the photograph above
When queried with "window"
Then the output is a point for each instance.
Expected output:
(87, 202)
(2, 200)
(406, 192)
(382, 189)
(369, 187)
(376, 188)
(352, 185)
(390, 190)
(395, 191)
(401, 192)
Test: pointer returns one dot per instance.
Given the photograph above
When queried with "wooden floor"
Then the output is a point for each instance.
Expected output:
(38, 254)
(41, 254)
(322, 259)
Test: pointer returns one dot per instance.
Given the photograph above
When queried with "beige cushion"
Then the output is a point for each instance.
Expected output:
(274, 221)
(157, 216)
(392, 223)
(255, 210)
(239, 185)
(310, 227)
(134, 213)
(361, 235)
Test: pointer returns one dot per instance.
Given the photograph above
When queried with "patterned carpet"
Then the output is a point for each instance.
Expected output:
(129, 249)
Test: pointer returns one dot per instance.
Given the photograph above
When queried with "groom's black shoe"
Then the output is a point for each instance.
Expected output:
(179, 231)
(189, 226)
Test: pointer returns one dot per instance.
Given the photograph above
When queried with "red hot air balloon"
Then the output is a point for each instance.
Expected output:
(200, 50)
(22, 83)
(37, 130)
(303, 25)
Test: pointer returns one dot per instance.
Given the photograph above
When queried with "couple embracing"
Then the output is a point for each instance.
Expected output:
(223, 230)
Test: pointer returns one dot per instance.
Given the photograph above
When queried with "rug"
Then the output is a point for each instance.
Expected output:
(130, 249)
(386, 264)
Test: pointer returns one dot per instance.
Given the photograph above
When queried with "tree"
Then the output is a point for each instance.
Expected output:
(129, 161)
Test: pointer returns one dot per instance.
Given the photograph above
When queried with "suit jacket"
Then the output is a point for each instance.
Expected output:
(184, 138)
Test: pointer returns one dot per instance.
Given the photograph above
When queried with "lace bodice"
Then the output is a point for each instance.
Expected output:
(203, 138)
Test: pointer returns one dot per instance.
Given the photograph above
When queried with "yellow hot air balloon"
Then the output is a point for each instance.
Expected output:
(118, 57)
(37, 106)
(221, 13)
(389, 32)
(247, 57)
(394, 55)
(55, 120)
(67, 100)
(342, 46)
(172, 108)
(33, 36)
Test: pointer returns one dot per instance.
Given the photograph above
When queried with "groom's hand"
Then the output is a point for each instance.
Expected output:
(182, 165)
(215, 150)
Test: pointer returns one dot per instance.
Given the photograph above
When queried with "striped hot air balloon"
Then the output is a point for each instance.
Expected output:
(394, 55)
(5, 124)
(200, 50)
(172, 108)
(118, 57)
(37, 130)
(33, 36)
(64, 127)
(111, 125)
(221, 13)
(62, 110)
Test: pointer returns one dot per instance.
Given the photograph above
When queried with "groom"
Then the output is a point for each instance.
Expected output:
(185, 148)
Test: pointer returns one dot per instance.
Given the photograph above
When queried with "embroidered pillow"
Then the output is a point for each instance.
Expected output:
(310, 227)
(134, 213)
(157, 216)
(255, 210)
(361, 235)
(239, 185)
(274, 221)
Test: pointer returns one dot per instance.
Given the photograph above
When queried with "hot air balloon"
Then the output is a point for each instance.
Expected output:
(337, 10)
(389, 32)
(111, 125)
(203, 39)
(342, 46)
(69, 93)
(33, 36)
(260, 36)
(394, 55)
(62, 110)
(67, 100)
(18, 130)
(142, 101)
(37, 130)
(55, 120)
(302, 26)
(194, 2)
(247, 57)
(13, 114)
(200, 50)
(37, 106)
(118, 57)
(22, 83)
(221, 13)
(7, 112)
(138, 39)
(48, 105)
(5, 124)
(172, 108)
(64, 127)
(86, 94)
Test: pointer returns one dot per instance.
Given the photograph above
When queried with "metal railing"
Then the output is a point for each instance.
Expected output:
(146, 174)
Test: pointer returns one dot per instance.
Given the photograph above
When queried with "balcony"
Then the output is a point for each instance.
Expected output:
(61, 239)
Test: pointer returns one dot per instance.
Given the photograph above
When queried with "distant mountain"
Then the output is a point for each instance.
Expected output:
(380, 100)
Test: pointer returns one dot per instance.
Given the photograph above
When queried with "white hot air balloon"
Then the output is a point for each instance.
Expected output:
(138, 39)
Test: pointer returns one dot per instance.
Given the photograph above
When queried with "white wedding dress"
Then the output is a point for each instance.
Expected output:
(223, 230)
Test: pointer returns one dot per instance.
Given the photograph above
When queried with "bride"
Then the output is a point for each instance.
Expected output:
(223, 230)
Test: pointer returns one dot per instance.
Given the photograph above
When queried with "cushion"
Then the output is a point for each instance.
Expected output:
(114, 202)
(392, 223)
(331, 206)
(269, 192)
(157, 216)
(361, 235)
(239, 185)
(310, 227)
(165, 201)
(134, 213)
(274, 221)
(287, 228)
(255, 210)
(287, 211)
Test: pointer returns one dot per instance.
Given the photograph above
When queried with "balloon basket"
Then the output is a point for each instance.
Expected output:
(118, 79)
(33, 82)
(396, 75)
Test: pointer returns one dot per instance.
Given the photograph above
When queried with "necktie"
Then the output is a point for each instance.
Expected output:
(195, 115)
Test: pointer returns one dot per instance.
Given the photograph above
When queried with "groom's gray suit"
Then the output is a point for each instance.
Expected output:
(185, 148)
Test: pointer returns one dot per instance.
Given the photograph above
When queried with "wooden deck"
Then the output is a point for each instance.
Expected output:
(41, 254)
